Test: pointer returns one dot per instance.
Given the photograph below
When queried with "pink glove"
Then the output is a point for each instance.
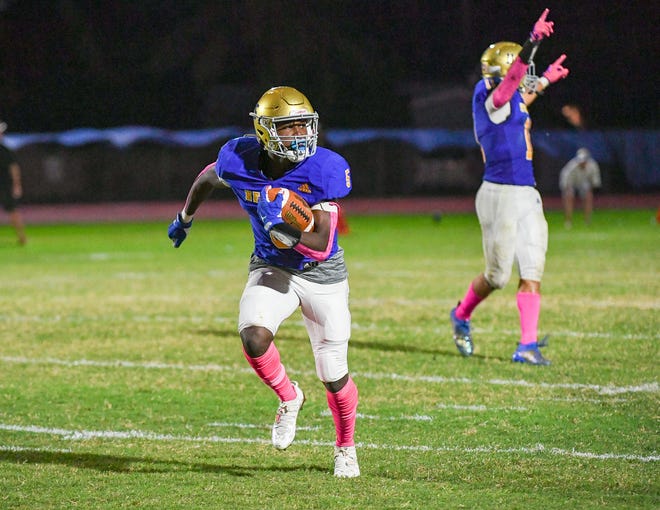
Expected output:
(542, 28)
(556, 71)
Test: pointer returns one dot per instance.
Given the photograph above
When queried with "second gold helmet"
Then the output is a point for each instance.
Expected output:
(497, 59)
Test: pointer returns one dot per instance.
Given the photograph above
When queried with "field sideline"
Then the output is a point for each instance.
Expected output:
(124, 386)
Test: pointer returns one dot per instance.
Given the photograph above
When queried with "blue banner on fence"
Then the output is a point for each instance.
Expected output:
(636, 152)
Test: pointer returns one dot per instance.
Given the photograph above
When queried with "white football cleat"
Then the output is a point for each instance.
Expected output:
(346, 464)
(284, 428)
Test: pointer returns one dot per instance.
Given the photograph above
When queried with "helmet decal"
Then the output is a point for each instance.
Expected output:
(497, 59)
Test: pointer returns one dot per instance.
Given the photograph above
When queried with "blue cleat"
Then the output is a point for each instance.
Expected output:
(529, 354)
(462, 335)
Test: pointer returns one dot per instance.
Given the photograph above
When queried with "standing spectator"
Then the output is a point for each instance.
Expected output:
(581, 174)
(310, 274)
(509, 207)
(11, 189)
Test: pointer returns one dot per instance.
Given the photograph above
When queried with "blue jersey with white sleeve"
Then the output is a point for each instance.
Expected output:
(504, 137)
(324, 176)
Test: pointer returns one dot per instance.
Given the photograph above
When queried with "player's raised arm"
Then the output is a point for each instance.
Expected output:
(515, 74)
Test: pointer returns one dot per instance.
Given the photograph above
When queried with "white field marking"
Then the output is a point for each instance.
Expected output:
(373, 326)
(582, 334)
(127, 364)
(652, 387)
(377, 303)
(13, 448)
(478, 408)
(372, 302)
(423, 417)
(254, 426)
(357, 326)
(119, 255)
(127, 275)
(41, 319)
(79, 435)
(416, 417)
(135, 276)
(585, 400)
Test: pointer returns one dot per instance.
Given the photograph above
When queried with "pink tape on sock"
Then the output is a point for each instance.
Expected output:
(529, 306)
(271, 371)
(343, 406)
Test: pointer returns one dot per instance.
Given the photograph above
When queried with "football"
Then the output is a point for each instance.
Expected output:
(295, 212)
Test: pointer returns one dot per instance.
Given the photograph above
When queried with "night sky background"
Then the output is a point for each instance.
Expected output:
(190, 64)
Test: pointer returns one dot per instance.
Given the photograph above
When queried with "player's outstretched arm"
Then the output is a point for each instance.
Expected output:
(201, 188)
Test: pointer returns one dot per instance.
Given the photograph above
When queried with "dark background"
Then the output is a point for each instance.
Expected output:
(190, 64)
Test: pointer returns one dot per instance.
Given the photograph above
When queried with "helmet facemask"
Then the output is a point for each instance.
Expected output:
(295, 148)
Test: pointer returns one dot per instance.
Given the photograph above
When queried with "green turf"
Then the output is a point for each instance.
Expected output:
(123, 383)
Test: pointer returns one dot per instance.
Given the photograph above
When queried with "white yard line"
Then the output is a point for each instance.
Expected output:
(610, 389)
(14, 448)
(221, 424)
(79, 435)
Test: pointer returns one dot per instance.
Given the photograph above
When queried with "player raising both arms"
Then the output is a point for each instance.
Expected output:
(509, 208)
(311, 274)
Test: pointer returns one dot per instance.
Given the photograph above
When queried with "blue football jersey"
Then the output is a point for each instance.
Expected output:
(507, 146)
(322, 177)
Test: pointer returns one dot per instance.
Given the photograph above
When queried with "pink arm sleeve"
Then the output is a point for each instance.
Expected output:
(504, 91)
(322, 255)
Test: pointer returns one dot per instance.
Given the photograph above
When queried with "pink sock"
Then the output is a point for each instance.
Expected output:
(529, 305)
(343, 405)
(271, 371)
(468, 304)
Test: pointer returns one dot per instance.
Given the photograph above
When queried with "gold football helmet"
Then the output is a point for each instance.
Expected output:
(497, 59)
(282, 105)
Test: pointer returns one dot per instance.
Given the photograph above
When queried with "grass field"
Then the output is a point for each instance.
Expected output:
(123, 384)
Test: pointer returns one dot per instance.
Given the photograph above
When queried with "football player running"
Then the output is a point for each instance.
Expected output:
(509, 207)
(311, 274)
